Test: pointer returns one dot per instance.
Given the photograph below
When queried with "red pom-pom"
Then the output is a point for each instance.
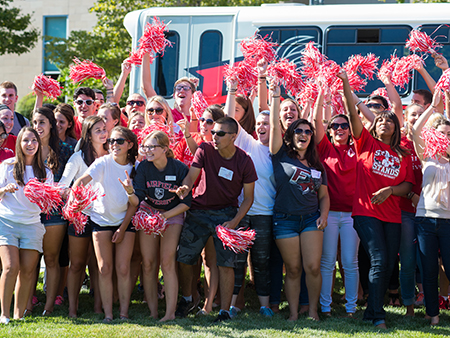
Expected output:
(357, 83)
(81, 199)
(382, 92)
(236, 240)
(199, 103)
(256, 48)
(82, 70)
(136, 56)
(46, 196)
(403, 69)
(309, 92)
(285, 73)
(142, 134)
(151, 222)
(365, 65)
(387, 68)
(444, 81)
(326, 75)
(154, 39)
(47, 86)
(311, 59)
(436, 143)
(244, 73)
(420, 42)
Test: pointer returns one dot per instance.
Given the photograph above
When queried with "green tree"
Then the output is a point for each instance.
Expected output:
(17, 35)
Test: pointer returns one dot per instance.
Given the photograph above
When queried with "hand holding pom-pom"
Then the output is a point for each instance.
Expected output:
(236, 240)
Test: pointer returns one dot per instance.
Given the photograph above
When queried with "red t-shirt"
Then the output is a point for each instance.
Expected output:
(123, 120)
(183, 153)
(8, 148)
(378, 166)
(406, 204)
(178, 116)
(340, 164)
(223, 180)
(78, 127)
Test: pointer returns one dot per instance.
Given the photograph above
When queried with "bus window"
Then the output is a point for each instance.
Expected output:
(167, 66)
(344, 41)
(442, 35)
(210, 48)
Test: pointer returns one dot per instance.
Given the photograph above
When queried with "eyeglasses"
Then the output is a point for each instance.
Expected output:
(119, 141)
(220, 133)
(307, 132)
(375, 105)
(179, 88)
(137, 103)
(150, 148)
(80, 102)
(3, 136)
(208, 121)
(335, 126)
(158, 111)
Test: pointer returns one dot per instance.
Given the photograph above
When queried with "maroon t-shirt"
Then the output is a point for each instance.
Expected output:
(223, 180)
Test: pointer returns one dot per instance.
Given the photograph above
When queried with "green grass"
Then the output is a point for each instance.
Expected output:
(248, 324)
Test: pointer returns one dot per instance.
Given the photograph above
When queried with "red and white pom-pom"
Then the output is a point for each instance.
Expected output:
(136, 56)
(309, 93)
(199, 103)
(420, 42)
(152, 223)
(327, 73)
(436, 143)
(337, 104)
(444, 81)
(382, 92)
(387, 68)
(48, 86)
(81, 200)
(365, 65)
(154, 39)
(256, 47)
(311, 59)
(244, 73)
(357, 83)
(403, 69)
(46, 196)
(82, 70)
(237, 240)
(285, 73)
(153, 127)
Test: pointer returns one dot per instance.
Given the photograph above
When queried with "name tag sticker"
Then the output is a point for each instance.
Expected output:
(315, 173)
(171, 178)
(226, 173)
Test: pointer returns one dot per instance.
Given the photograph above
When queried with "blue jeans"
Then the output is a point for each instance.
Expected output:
(408, 254)
(433, 235)
(381, 240)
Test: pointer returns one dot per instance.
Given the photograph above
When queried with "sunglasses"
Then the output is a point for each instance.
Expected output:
(137, 103)
(208, 121)
(3, 136)
(335, 126)
(150, 148)
(375, 105)
(307, 132)
(158, 111)
(220, 133)
(119, 141)
(179, 88)
(80, 102)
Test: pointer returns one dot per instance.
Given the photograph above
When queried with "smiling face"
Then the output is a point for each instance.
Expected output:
(444, 129)
(7, 117)
(205, 123)
(153, 150)
(137, 122)
(183, 94)
(61, 125)
(288, 113)
(99, 134)
(301, 138)
(83, 108)
(42, 125)
(9, 97)
(340, 135)
(135, 102)
(156, 113)
(106, 115)
(119, 151)
(263, 129)
(412, 115)
(29, 145)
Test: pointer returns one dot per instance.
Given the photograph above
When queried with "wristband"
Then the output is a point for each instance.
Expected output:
(276, 97)
(360, 101)
(410, 195)
(132, 193)
(186, 137)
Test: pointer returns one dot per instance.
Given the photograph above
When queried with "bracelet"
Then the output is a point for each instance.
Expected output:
(360, 101)
(132, 193)
(186, 137)
(434, 107)
(275, 97)
(325, 121)
(261, 77)
(410, 195)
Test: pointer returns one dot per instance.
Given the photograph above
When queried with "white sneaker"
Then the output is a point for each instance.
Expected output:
(4, 320)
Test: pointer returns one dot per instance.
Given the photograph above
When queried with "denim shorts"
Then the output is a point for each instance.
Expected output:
(49, 220)
(95, 227)
(287, 225)
(22, 236)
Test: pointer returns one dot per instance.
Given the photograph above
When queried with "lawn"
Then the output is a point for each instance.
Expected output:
(248, 324)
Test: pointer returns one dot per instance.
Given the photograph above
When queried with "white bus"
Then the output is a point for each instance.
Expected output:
(206, 38)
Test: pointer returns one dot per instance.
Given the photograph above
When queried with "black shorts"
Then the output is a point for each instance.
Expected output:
(95, 227)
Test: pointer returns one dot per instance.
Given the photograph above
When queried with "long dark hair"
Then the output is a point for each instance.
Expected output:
(19, 163)
(311, 154)
(133, 152)
(248, 120)
(54, 141)
(68, 112)
(86, 147)
(345, 117)
(396, 137)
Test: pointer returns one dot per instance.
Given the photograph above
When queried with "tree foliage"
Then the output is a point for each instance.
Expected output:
(17, 35)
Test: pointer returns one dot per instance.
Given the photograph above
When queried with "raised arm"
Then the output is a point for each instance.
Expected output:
(109, 85)
(276, 139)
(441, 63)
(262, 86)
(147, 77)
(120, 84)
(39, 99)
(355, 121)
(395, 99)
(367, 113)
(318, 117)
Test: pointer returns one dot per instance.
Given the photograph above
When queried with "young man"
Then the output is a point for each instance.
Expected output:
(8, 96)
(84, 103)
(135, 102)
(226, 170)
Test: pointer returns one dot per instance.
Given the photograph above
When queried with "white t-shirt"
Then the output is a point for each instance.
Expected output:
(264, 187)
(110, 209)
(16, 207)
(75, 168)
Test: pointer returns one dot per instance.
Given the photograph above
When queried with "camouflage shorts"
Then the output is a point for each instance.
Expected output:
(199, 225)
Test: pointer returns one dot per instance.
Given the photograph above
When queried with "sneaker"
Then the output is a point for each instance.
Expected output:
(234, 311)
(266, 311)
(4, 320)
(223, 316)
(419, 300)
(59, 300)
(184, 308)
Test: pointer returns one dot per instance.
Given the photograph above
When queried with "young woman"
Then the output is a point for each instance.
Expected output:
(110, 112)
(21, 230)
(110, 218)
(301, 205)
(55, 155)
(432, 216)
(5, 152)
(136, 121)
(383, 172)
(93, 145)
(64, 114)
(7, 141)
(339, 159)
(156, 178)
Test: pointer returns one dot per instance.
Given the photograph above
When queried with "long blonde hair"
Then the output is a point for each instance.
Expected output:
(162, 101)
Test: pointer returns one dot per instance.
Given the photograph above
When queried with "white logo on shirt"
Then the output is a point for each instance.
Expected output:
(385, 164)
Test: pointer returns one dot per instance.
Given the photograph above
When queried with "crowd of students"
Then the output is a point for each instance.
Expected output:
(305, 179)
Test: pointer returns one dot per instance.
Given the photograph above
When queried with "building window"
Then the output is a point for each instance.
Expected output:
(167, 66)
(54, 26)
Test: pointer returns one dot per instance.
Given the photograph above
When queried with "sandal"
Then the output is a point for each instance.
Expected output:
(107, 320)
(394, 299)
(124, 318)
